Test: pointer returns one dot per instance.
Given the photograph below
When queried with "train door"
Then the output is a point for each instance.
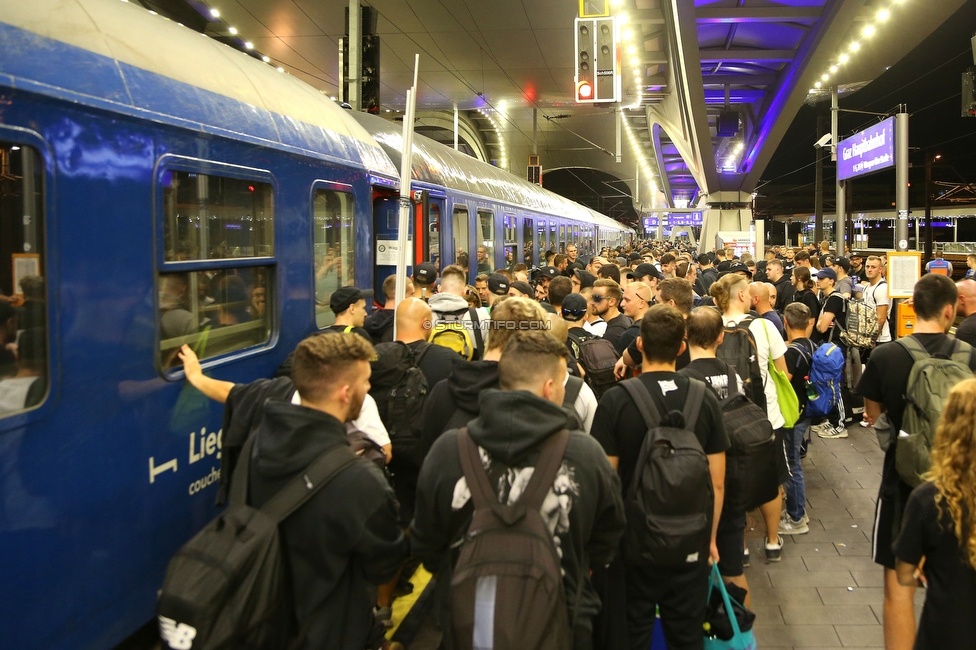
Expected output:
(528, 241)
(541, 229)
(427, 221)
(511, 243)
(459, 235)
(485, 261)
(386, 221)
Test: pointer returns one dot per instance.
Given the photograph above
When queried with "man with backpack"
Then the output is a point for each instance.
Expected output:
(746, 425)
(678, 494)
(509, 578)
(457, 326)
(830, 325)
(452, 403)
(799, 360)
(334, 546)
(349, 306)
(894, 383)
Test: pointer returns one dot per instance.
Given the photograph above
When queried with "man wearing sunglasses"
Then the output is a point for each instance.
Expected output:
(605, 302)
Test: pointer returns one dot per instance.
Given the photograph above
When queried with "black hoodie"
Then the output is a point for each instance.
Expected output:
(379, 325)
(584, 509)
(452, 403)
(784, 293)
(335, 546)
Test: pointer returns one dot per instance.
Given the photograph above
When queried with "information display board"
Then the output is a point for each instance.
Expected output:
(904, 270)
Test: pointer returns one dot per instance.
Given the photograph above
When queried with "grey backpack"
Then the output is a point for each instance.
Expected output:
(507, 586)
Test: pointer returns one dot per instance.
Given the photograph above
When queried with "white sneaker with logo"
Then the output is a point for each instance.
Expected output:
(830, 432)
(789, 526)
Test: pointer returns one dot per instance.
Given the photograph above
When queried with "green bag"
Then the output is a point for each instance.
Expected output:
(740, 640)
(789, 403)
(929, 383)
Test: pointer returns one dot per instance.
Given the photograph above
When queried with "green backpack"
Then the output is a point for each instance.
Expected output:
(929, 383)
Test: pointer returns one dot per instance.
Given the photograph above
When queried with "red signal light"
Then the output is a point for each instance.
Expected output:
(584, 90)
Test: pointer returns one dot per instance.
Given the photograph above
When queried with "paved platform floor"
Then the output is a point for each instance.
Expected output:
(825, 592)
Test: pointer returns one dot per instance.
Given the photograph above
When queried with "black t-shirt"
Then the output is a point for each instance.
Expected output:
(799, 367)
(618, 425)
(967, 330)
(342, 328)
(616, 327)
(715, 374)
(808, 298)
(628, 338)
(832, 304)
(681, 362)
(437, 362)
(950, 599)
(885, 381)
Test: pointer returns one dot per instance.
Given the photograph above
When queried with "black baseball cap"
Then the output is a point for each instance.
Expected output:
(646, 270)
(345, 297)
(524, 287)
(739, 267)
(635, 257)
(574, 307)
(498, 284)
(424, 273)
(549, 272)
(843, 263)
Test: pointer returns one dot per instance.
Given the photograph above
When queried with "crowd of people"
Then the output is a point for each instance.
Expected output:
(627, 383)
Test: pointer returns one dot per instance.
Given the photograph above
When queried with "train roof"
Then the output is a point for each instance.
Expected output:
(118, 56)
(439, 164)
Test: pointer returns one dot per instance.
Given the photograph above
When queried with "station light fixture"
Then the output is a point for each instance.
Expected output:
(215, 13)
(232, 30)
(868, 31)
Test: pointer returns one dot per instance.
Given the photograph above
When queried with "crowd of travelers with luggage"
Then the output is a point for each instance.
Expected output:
(571, 451)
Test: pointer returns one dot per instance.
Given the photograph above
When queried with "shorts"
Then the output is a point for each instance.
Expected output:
(892, 499)
(730, 540)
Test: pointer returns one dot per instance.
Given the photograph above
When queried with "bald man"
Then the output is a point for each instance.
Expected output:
(967, 308)
(759, 291)
(414, 322)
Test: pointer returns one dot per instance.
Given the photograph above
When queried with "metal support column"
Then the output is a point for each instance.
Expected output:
(901, 181)
(355, 54)
(818, 228)
(840, 212)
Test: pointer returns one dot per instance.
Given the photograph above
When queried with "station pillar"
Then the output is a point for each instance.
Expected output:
(724, 211)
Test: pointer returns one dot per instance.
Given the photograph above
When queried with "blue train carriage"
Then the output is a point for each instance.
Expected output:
(461, 205)
(156, 188)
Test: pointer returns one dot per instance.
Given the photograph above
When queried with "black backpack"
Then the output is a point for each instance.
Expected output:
(400, 389)
(751, 476)
(669, 503)
(739, 351)
(573, 387)
(598, 357)
(507, 585)
(228, 587)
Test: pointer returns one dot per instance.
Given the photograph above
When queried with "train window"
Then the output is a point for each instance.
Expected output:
(208, 217)
(214, 312)
(486, 241)
(576, 235)
(528, 237)
(511, 240)
(553, 242)
(434, 235)
(23, 296)
(460, 234)
(542, 241)
(562, 239)
(333, 239)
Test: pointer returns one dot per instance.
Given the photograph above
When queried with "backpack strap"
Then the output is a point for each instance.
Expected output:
(644, 401)
(479, 342)
(420, 355)
(474, 473)
(916, 349)
(573, 387)
(347, 329)
(301, 488)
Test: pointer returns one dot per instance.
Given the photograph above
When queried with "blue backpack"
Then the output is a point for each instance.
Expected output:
(825, 378)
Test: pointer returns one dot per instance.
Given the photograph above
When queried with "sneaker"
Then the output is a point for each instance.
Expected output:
(864, 423)
(790, 527)
(774, 552)
(745, 557)
(831, 432)
(384, 615)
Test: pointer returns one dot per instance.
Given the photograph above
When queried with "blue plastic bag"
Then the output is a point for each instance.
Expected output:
(740, 640)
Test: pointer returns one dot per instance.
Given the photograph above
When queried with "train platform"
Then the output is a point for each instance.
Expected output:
(826, 592)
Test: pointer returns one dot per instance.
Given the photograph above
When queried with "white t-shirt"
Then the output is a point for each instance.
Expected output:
(770, 345)
(368, 422)
(596, 328)
(877, 296)
(585, 405)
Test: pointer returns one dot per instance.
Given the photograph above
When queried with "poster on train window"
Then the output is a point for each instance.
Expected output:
(24, 265)
(904, 270)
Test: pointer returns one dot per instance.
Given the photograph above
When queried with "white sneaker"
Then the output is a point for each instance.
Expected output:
(831, 432)
(790, 527)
